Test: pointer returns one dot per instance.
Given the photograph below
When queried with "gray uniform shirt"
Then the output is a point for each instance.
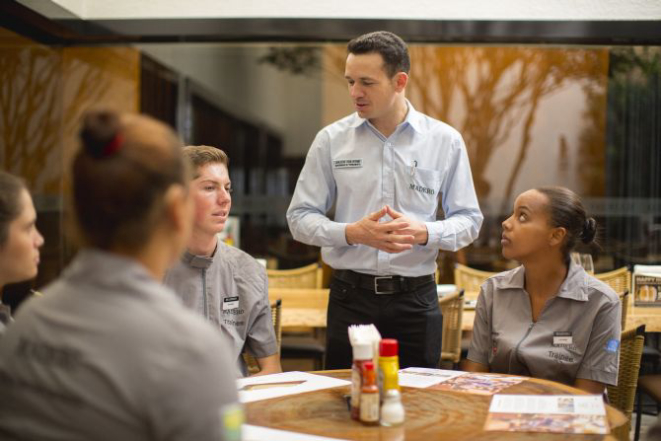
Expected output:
(577, 335)
(108, 353)
(231, 290)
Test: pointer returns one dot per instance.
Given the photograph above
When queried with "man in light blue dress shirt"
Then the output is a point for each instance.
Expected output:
(384, 168)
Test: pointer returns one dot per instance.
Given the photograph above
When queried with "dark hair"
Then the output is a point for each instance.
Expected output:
(201, 155)
(10, 202)
(566, 210)
(125, 165)
(392, 48)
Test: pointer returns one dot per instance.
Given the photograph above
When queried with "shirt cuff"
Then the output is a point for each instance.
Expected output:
(434, 230)
(474, 356)
(609, 378)
(263, 349)
(337, 232)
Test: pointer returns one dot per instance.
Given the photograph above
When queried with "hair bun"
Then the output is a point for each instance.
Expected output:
(100, 130)
(589, 230)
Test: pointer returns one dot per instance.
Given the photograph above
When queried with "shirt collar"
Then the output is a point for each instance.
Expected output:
(575, 285)
(200, 262)
(413, 118)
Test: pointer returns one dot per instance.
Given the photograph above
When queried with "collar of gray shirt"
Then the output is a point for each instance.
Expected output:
(575, 285)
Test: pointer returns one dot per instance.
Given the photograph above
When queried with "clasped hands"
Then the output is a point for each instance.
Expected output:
(393, 236)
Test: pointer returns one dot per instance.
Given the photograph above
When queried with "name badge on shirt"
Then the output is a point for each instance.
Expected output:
(348, 163)
(230, 303)
(561, 338)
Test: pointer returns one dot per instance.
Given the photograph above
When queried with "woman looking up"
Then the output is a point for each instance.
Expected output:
(547, 318)
(108, 353)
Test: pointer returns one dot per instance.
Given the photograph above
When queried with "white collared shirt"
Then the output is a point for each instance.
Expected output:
(353, 166)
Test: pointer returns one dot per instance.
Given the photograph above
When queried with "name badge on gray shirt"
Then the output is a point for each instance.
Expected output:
(230, 303)
(562, 338)
(348, 163)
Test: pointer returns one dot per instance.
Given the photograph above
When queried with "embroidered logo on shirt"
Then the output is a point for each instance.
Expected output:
(348, 163)
(422, 189)
(612, 345)
(561, 357)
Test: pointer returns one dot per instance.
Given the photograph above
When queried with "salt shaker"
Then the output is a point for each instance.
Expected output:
(392, 410)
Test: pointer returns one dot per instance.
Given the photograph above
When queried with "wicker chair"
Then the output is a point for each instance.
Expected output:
(623, 395)
(276, 314)
(309, 276)
(470, 279)
(624, 301)
(619, 279)
(452, 307)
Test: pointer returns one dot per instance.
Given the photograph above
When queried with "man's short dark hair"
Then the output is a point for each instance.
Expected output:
(392, 48)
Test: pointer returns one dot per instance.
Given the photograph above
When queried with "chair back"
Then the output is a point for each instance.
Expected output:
(470, 279)
(622, 396)
(624, 302)
(276, 316)
(309, 276)
(452, 308)
(619, 279)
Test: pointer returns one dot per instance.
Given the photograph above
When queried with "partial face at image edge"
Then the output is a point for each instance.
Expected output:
(19, 256)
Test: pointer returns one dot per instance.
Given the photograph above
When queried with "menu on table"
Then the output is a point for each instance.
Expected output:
(286, 383)
(547, 413)
(425, 377)
(481, 384)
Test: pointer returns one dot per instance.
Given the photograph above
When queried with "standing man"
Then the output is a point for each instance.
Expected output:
(385, 168)
(220, 282)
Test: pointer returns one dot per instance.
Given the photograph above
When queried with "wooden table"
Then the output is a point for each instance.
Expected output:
(430, 414)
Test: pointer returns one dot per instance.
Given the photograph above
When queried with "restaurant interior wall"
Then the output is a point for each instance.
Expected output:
(585, 118)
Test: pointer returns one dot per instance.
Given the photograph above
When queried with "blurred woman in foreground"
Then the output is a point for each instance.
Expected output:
(108, 353)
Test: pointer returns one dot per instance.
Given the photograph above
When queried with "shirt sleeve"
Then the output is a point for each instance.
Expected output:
(261, 341)
(481, 343)
(463, 217)
(195, 394)
(314, 195)
(602, 356)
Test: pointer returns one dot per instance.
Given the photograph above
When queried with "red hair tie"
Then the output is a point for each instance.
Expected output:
(113, 146)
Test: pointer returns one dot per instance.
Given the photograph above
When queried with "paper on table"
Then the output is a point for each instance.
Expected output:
(547, 413)
(286, 383)
(425, 377)
(258, 433)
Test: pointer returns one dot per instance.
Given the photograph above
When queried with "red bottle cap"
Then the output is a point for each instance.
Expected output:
(388, 347)
(368, 366)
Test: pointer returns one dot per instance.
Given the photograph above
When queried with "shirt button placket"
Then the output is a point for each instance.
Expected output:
(388, 197)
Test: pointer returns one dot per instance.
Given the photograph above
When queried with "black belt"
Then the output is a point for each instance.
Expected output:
(382, 284)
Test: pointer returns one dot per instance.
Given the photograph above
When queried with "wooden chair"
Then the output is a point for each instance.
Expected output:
(276, 316)
(309, 276)
(623, 395)
(452, 307)
(619, 279)
(468, 278)
(302, 343)
(624, 301)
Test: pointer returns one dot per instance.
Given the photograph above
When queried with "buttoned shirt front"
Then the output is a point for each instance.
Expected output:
(577, 334)
(229, 289)
(108, 353)
(353, 166)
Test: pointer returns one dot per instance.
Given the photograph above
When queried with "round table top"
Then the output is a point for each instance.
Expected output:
(430, 414)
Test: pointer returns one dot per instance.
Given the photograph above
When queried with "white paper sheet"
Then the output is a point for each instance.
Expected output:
(258, 433)
(286, 383)
(549, 404)
(425, 377)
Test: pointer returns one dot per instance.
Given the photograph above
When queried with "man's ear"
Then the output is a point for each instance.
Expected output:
(558, 235)
(401, 79)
